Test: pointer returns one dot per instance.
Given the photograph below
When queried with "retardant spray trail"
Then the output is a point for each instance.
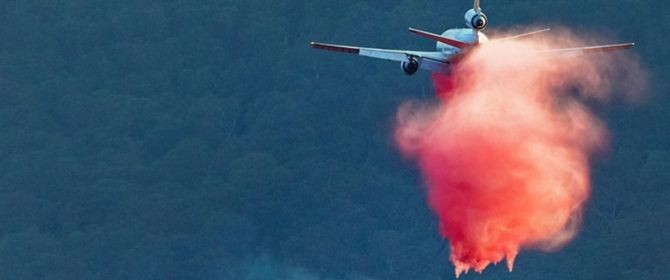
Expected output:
(506, 156)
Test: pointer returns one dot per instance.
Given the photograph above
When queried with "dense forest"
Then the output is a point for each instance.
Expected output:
(204, 139)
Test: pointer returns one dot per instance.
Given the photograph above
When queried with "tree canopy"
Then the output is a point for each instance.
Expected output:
(205, 140)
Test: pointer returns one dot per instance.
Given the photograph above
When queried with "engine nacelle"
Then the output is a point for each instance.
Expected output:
(411, 66)
(476, 20)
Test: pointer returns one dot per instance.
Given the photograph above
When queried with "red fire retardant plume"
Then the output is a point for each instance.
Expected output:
(506, 155)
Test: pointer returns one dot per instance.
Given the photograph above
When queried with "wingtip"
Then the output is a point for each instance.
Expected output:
(336, 48)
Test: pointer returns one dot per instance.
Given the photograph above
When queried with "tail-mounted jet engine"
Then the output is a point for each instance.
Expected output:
(476, 20)
(410, 66)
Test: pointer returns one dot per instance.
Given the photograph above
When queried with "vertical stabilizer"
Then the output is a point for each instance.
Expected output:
(476, 6)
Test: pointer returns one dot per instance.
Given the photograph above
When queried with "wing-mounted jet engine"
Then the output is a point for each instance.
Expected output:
(411, 66)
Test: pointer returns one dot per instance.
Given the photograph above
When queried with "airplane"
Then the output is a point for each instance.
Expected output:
(453, 45)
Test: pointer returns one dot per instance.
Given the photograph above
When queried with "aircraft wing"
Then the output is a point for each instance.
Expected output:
(588, 50)
(431, 61)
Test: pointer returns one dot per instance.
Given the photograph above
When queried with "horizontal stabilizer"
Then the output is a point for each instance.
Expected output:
(451, 42)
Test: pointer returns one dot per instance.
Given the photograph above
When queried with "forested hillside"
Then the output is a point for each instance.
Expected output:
(205, 140)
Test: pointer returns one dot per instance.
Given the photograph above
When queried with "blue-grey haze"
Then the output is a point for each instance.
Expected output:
(205, 140)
